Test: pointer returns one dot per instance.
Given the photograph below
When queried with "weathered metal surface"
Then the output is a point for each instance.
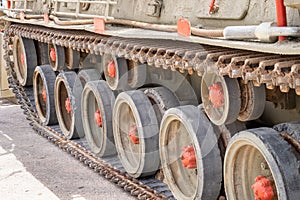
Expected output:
(223, 9)
(283, 48)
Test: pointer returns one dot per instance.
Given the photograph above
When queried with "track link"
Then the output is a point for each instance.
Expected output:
(270, 69)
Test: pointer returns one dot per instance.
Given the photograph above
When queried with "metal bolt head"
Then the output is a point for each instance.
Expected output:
(154, 8)
(264, 166)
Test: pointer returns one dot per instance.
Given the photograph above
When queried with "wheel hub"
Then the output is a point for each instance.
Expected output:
(98, 118)
(133, 134)
(111, 69)
(53, 54)
(68, 105)
(44, 95)
(188, 157)
(22, 58)
(216, 95)
(262, 188)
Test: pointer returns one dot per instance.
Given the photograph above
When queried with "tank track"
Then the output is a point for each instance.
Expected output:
(261, 68)
(110, 168)
(270, 69)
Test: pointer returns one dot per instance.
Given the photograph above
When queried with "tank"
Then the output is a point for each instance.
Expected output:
(168, 99)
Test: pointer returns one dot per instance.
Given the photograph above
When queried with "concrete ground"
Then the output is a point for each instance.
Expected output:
(31, 168)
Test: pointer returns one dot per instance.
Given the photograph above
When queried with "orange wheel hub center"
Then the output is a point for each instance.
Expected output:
(22, 58)
(44, 95)
(133, 134)
(188, 157)
(111, 69)
(98, 118)
(53, 54)
(262, 188)
(216, 95)
(68, 105)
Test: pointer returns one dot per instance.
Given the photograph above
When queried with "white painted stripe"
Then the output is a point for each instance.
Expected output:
(78, 197)
(9, 138)
(7, 106)
(17, 183)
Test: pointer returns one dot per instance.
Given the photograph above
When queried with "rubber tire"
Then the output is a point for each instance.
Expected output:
(232, 105)
(291, 128)
(68, 79)
(73, 59)
(105, 99)
(30, 60)
(177, 82)
(137, 76)
(281, 157)
(256, 99)
(207, 151)
(148, 128)
(42, 52)
(92, 61)
(163, 98)
(48, 77)
(229, 130)
(84, 76)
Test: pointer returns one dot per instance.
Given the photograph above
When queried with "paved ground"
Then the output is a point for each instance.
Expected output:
(31, 168)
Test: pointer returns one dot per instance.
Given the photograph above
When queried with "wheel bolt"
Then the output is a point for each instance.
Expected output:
(264, 166)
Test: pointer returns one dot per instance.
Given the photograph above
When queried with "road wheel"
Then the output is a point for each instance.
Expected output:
(115, 72)
(65, 104)
(136, 133)
(72, 58)
(56, 57)
(189, 154)
(42, 52)
(43, 87)
(260, 164)
(25, 59)
(97, 103)
(221, 98)
(253, 100)
(162, 99)
(137, 74)
(84, 76)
